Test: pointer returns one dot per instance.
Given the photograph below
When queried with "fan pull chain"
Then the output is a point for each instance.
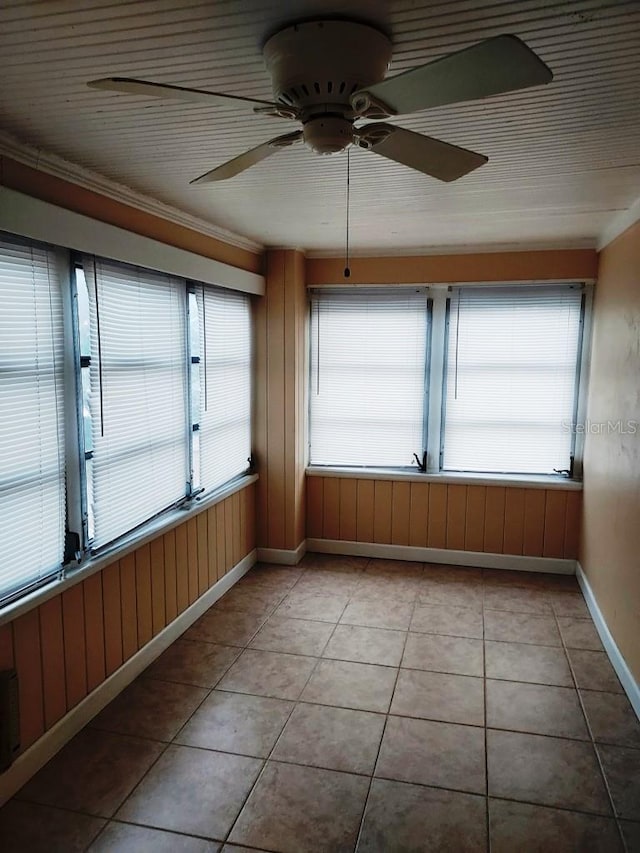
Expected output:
(347, 271)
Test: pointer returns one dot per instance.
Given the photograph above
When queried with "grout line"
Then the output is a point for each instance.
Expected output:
(605, 780)
(486, 724)
(266, 760)
(384, 728)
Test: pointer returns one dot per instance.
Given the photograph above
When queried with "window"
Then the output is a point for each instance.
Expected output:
(503, 368)
(139, 420)
(124, 392)
(367, 386)
(32, 457)
(512, 362)
(224, 433)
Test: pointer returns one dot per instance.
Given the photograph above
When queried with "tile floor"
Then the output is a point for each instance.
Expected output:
(352, 704)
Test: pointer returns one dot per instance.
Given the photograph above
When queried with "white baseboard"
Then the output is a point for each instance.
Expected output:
(37, 755)
(444, 555)
(281, 556)
(629, 684)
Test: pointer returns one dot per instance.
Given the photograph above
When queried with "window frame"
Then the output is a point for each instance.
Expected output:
(440, 296)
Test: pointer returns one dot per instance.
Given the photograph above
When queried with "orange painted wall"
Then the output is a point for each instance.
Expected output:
(280, 381)
(491, 519)
(69, 645)
(610, 546)
(557, 265)
(41, 185)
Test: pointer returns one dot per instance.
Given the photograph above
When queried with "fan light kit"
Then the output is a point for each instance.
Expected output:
(330, 74)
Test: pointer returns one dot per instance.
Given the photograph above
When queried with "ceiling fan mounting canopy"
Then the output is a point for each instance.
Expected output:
(329, 74)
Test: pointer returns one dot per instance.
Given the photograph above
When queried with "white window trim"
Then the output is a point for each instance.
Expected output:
(535, 481)
(30, 217)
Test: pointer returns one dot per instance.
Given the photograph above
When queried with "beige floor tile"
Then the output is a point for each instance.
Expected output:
(569, 604)
(127, 838)
(246, 600)
(228, 627)
(452, 574)
(612, 719)
(539, 829)
(530, 580)
(431, 753)
(193, 791)
(333, 562)
(382, 613)
(273, 674)
(192, 662)
(533, 664)
(313, 605)
(579, 633)
(318, 582)
(593, 671)
(402, 817)
(366, 645)
(535, 708)
(405, 569)
(517, 600)
(294, 636)
(302, 810)
(545, 770)
(361, 686)
(151, 708)
(235, 722)
(32, 828)
(335, 738)
(93, 773)
(457, 655)
(521, 628)
(451, 594)
(447, 619)
(273, 573)
(439, 696)
(622, 769)
(381, 589)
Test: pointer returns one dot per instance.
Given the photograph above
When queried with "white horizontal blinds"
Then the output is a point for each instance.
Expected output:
(510, 385)
(138, 395)
(225, 385)
(367, 376)
(32, 487)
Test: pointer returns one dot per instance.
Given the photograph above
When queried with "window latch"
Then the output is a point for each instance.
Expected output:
(566, 472)
(421, 463)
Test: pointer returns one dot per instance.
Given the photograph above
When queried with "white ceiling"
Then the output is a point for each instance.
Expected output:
(564, 159)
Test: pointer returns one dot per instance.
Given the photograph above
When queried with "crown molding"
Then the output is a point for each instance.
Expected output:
(619, 224)
(456, 249)
(36, 158)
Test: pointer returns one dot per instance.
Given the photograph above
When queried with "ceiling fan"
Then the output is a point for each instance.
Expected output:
(329, 74)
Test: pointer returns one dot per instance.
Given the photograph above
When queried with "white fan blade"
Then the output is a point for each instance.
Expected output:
(249, 158)
(500, 64)
(423, 153)
(129, 86)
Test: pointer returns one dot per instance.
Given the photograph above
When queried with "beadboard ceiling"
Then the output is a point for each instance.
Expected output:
(564, 159)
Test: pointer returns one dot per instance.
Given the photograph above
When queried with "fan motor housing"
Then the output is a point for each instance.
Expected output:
(316, 66)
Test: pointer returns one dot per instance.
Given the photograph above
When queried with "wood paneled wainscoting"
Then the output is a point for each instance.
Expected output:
(522, 521)
(69, 645)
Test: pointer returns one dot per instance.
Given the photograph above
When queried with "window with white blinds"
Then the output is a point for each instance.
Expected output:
(367, 389)
(224, 433)
(512, 363)
(139, 375)
(32, 462)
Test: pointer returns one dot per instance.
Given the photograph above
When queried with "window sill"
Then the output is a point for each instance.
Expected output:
(532, 481)
(143, 535)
